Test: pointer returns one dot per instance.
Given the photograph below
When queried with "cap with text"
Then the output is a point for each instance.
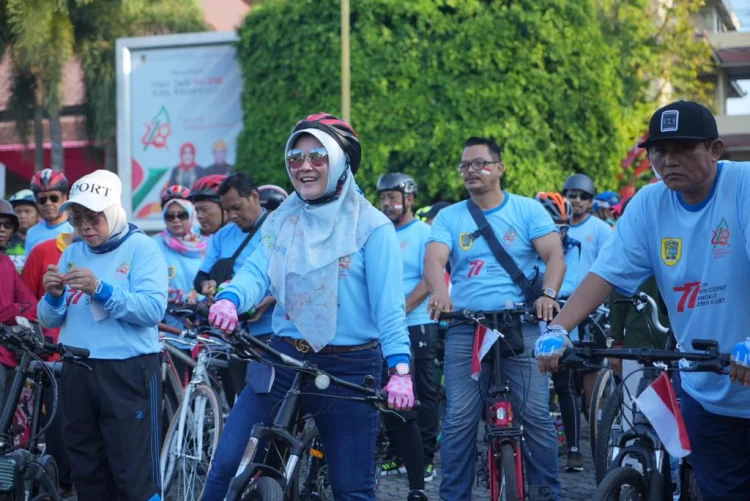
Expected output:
(681, 121)
(96, 191)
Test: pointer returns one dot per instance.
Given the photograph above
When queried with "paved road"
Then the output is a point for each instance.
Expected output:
(576, 486)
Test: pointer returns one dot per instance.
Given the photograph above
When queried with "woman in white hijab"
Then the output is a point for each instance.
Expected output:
(333, 263)
(107, 294)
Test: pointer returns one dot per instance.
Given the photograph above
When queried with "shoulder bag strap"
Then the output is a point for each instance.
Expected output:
(249, 236)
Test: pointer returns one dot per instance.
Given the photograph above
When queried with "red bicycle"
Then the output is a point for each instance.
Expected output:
(504, 459)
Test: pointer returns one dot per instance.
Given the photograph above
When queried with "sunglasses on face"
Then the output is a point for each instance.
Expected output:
(578, 196)
(7, 224)
(181, 216)
(318, 157)
(78, 219)
(52, 198)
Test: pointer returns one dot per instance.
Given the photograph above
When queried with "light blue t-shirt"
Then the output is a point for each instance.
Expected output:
(41, 232)
(413, 238)
(223, 245)
(181, 270)
(572, 251)
(370, 294)
(479, 282)
(700, 256)
(592, 233)
(121, 323)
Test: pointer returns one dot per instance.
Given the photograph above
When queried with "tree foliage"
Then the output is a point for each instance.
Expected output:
(537, 75)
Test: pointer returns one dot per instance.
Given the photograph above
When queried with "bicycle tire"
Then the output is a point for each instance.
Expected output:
(263, 489)
(169, 404)
(508, 473)
(603, 383)
(301, 481)
(612, 408)
(172, 476)
(689, 490)
(609, 489)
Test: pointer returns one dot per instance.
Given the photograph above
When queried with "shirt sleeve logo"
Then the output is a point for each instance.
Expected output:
(466, 241)
(124, 268)
(671, 251)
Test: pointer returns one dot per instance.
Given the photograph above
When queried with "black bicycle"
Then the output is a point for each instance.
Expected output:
(274, 476)
(641, 468)
(26, 471)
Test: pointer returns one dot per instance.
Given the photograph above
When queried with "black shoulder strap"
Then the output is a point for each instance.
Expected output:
(249, 236)
(484, 229)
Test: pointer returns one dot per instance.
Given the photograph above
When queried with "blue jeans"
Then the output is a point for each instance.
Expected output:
(466, 397)
(348, 429)
(721, 451)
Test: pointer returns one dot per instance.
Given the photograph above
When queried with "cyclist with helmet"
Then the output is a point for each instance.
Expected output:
(205, 197)
(51, 191)
(325, 241)
(271, 196)
(107, 294)
(480, 282)
(564, 382)
(397, 192)
(182, 245)
(604, 204)
(24, 204)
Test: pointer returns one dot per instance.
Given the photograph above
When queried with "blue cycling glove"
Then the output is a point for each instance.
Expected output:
(741, 353)
(554, 341)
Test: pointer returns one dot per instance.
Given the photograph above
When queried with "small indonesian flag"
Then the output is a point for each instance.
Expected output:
(484, 338)
(659, 404)
(486, 171)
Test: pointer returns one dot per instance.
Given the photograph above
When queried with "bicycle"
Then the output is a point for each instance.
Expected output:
(504, 457)
(275, 477)
(650, 476)
(26, 471)
(194, 432)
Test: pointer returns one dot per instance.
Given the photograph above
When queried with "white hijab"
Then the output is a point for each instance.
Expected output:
(306, 242)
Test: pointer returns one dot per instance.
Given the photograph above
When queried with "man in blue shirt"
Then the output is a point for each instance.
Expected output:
(527, 232)
(397, 192)
(228, 249)
(50, 188)
(691, 232)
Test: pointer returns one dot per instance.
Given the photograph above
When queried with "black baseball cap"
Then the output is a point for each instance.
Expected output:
(681, 121)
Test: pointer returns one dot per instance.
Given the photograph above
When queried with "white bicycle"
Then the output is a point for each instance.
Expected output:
(194, 432)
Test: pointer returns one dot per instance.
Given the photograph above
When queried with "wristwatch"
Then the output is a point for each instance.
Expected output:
(97, 287)
(401, 369)
(550, 293)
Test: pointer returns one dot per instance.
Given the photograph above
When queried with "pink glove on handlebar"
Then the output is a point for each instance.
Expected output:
(400, 392)
(223, 315)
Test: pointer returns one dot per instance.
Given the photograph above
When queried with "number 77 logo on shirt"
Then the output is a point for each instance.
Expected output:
(689, 295)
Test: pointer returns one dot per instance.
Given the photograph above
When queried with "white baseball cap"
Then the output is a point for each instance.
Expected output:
(96, 191)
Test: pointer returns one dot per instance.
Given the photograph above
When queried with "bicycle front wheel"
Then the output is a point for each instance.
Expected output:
(186, 458)
(611, 418)
(605, 386)
(503, 473)
(263, 489)
(622, 484)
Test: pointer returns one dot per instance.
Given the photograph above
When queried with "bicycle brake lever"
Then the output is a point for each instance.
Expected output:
(70, 358)
(386, 410)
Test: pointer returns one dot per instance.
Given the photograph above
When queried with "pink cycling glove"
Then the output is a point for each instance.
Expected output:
(400, 392)
(223, 315)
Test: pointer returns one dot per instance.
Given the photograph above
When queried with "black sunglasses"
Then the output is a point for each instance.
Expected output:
(578, 196)
(7, 224)
(52, 198)
(182, 216)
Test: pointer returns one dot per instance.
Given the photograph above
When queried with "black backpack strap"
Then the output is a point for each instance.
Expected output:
(249, 236)
(509, 265)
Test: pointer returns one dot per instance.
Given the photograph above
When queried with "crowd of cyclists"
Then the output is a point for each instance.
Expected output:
(324, 276)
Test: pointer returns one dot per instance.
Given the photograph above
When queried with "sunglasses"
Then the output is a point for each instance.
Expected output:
(52, 198)
(318, 157)
(578, 196)
(78, 219)
(7, 224)
(170, 216)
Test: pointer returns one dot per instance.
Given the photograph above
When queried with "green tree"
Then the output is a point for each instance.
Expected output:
(537, 75)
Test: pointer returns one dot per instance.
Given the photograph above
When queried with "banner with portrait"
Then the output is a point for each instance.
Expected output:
(179, 115)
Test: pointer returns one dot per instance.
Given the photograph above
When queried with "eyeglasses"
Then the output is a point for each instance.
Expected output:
(52, 198)
(578, 196)
(476, 165)
(318, 157)
(78, 219)
(7, 224)
(182, 216)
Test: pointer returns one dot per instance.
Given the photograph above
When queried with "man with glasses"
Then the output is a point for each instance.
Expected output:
(227, 251)
(51, 190)
(526, 232)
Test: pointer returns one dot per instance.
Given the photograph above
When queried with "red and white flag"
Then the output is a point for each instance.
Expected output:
(484, 338)
(658, 403)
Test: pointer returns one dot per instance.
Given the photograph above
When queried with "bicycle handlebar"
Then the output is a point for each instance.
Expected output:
(478, 315)
(640, 301)
(23, 336)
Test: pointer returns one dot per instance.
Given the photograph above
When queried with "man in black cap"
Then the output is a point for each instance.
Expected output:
(692, 232)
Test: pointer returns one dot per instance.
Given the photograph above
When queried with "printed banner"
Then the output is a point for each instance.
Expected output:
(185, 117)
